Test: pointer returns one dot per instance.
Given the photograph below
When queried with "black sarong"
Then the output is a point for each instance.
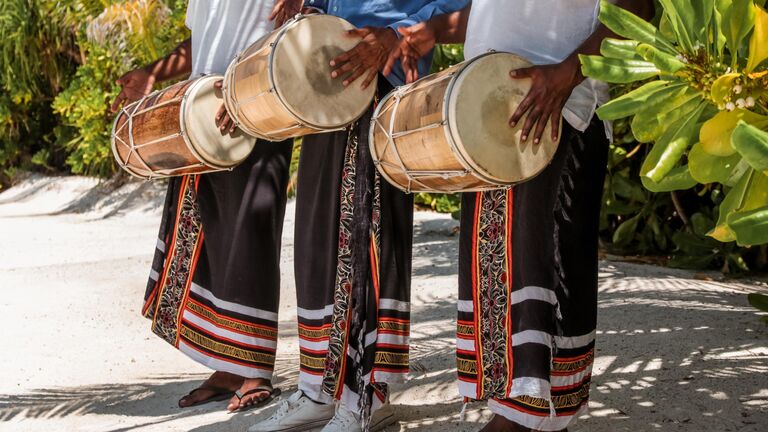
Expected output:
(353, 270)
(528, 288)
(214, 287)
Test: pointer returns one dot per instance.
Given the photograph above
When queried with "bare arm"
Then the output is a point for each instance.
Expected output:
(139, 82)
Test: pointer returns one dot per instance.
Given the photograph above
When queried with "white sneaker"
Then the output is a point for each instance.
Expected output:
(347, 421)
(297, 413)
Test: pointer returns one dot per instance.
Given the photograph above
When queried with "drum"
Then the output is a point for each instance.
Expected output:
(449, 132)
(173, 132)
(281, 86)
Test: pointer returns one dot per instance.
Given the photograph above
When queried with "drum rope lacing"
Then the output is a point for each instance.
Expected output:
(133, 147)
(230, 99)
(413, 176)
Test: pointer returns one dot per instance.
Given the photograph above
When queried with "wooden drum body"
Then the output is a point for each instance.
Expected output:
(449, 132)
(173, 132)
(281, 86)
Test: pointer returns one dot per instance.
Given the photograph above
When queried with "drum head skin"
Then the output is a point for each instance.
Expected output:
(219, 149)
(302, 73)
(481, 101)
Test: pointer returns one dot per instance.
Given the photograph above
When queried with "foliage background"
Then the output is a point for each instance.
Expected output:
(58, 65)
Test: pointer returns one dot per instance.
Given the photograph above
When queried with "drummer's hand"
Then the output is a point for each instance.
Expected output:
(285, 10)
(368, 57)
(136, 84)
(223, 120)
(416, 42)
(551, 87)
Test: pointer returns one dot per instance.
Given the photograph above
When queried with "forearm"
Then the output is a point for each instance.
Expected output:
(177, 64)
(452, 27)
(591, 46)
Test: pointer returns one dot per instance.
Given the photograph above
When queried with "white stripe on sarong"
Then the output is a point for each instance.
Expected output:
(160, 245)
(154, 275)
(314, 345)
(465, 344)
(468, 389)
(545, 423)
(232, 307)
(569, 380)
(392, 339)
(534, 293)
(532, 336)
(466, 306)
(198, 321)
(574, 342)
(392, 304)
(315, 314)
(223, 365)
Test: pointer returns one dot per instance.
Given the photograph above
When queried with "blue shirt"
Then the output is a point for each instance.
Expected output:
(392, 14)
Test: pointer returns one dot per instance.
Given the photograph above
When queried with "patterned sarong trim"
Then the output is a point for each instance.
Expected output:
(338, 339)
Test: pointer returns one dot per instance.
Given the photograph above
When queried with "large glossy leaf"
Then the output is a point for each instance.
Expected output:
(630, 103)
(750, 227)
(715, 135)
(668, 150)
(665, 62)
(722, 88)
(752, 144)
(620, 49)
(630, 26)
(626, 231)
(706, 168)
(679, 178)
(758, 44)
(733, 201)
(616, 70)
(679, 13)
(653, 120)
(738, 20)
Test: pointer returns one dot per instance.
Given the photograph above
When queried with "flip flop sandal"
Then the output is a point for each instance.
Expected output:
(219, 394)
(273, 393)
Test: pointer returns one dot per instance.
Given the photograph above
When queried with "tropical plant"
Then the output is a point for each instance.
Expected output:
(703, 103)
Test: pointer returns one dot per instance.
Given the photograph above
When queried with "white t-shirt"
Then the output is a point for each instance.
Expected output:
(221, 29)
(544, 32)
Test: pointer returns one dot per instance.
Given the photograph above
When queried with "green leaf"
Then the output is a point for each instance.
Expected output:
(750, 227)
(664, 61)
(630, 26)
(666, 153)
(758, 45)
(616, 71)
(652, 120)
(678, 178)
(701, 224)
(715, 134)
(752, 144)
(733, 201)
(758, 301)
(680, 12)
(722, 88)
(625, 233)
(706, 168)
(738, 21)
(620, 49)
(652, 93)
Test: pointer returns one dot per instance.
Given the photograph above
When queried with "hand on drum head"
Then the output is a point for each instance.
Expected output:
(416, 42)
(136, 84)
(551, 86)
(367, 57)
(223, 120)
(285, 10)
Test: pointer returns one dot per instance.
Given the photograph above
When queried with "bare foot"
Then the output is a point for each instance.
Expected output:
(249, 384)
(501, 424)
(213, 386)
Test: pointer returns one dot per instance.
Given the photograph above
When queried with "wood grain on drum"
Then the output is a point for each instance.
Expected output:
(156, 135)
(422, 104)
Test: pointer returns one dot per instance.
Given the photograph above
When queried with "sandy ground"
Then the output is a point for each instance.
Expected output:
(675, 352)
